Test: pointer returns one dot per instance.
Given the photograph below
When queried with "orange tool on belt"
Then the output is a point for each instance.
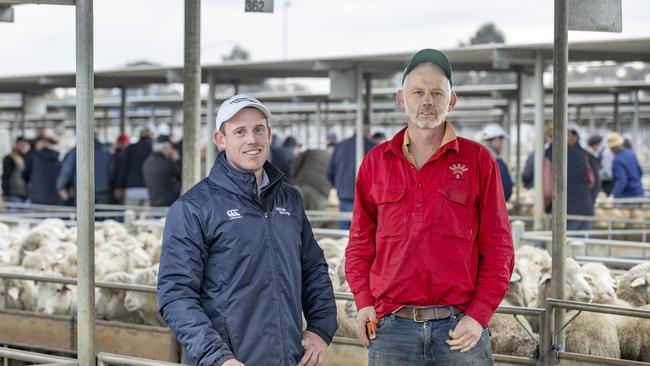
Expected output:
(371, 328)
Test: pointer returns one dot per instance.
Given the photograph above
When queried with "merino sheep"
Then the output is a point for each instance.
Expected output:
(634, 336)
(531, 264)
(145, 303)
(56, 298)
(109, 303)
(593, 334)
(634, 285)
(576, 282)
(602, 283)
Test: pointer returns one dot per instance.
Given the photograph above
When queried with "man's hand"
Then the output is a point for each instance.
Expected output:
(466, 334)
(314, 347)
(232, 362)
(364, 316)
(64, 195)
(119, 194)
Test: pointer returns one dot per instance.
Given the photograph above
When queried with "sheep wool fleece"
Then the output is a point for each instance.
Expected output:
(236, 271)
(439, 235)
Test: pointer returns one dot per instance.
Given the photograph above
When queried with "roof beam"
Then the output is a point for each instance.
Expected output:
(38, 2)
(6, 14)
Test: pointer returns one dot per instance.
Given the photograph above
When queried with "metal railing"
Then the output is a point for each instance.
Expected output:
(36, 358)
(105, 359)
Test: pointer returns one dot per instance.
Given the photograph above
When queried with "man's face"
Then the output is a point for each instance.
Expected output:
(246, 140)
(426, 96)
(497, 143)
(23, 147)
(572, 138)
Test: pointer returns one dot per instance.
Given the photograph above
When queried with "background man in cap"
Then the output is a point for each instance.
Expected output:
(493, 135)
(14, 188)
(239, 262)
(42, 169)
(430, 238)
(129, 181)
(626, 170)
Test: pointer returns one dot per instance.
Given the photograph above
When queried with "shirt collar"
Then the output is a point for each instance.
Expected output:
(449, 141)
(265, 181)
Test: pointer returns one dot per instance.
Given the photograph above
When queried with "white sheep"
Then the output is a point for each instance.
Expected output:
(112, 257)
(109, 303)
(56, 298)
(577, 285)
(145, 303)
(151, 244)
(634, 335)
(634, 285)
(602, 283)
(531, 264)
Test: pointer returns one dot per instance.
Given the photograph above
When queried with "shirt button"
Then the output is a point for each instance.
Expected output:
(419, 185)
(417, 205)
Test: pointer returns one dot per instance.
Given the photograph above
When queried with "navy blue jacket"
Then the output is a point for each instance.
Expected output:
(627, 175)
(41, 170)
(236, 272)
(130, 173)
(340, 171)
(103, 169)
(579, 200)
(505, 178)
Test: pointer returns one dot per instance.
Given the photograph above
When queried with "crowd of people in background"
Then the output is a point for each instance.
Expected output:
(148, 171)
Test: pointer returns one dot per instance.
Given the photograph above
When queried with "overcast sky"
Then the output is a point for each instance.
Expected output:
(42, 37)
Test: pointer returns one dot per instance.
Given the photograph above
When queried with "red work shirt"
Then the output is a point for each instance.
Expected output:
(439, 235)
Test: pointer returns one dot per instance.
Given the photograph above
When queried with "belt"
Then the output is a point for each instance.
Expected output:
(425, 313)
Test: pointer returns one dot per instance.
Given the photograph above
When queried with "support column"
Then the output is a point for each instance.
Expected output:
(560, 61)
(122, 110)
(210, 152)
(359, 122)
(538, 198)
(518, 183)
(636, 133)
(191, 95)
(617, 124)
(85, 124)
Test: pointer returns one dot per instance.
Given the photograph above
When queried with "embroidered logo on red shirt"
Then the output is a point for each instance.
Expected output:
(458, 169)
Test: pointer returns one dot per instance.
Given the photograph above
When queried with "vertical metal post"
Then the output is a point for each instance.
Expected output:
(560, 61)
(505, 124)
(85, 124)
(578, 114)
(359, 124)
(518, 146)
(319, 125)
(191, 95)
(635, 123)
(538, 198)
(210, 153)
(122, 110)
(617, 125)
(367, 112)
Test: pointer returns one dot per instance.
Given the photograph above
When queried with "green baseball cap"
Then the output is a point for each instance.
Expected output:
(428, 55)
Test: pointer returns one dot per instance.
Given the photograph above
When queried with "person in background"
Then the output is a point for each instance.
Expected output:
(605, 159)
(626, 171)
(573, 139)
(66, 182)
(378, 138)
(130, 183)
(14, 188)
(341, 171)
(493, 136)
(308, 176)
(330, 141)
(42, 169)
(162, 173)
(119, 165)
(580, 182)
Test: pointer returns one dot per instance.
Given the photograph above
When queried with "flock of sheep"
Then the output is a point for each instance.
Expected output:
(122, 257)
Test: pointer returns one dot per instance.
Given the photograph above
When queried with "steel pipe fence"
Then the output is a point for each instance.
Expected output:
(35, 358)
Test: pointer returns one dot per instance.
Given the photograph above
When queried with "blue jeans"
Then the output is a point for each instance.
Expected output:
(402, 341)
(578, 225)
(345, 206)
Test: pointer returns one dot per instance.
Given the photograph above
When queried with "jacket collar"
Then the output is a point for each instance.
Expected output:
(240, 182)
(396, 143)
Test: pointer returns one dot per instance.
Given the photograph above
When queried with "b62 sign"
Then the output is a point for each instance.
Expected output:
(259, 6)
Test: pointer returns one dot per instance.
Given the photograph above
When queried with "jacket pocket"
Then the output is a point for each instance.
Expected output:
(220, 324)
(391, 210)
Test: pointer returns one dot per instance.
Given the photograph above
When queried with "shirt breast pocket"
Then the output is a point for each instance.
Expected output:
(391, 211)
(455, 216)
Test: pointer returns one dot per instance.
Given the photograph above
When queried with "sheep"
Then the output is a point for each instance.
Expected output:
(634, 335)
(4, 230)
(634, 285)
(577, 285)
(151, 244)
(113, 230)
(145, 303)
(332, 251)
(109, 303)
(56, 298)
(593, 334)
(112, 257)
(602, 283)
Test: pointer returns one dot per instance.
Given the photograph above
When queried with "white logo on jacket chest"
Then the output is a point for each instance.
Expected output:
(233, 214)
(283, 211)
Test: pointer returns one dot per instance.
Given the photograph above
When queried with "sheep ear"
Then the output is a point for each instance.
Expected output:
(14, 293)
(516, 277)
(545, 277)
(639, 281)
(588, 278)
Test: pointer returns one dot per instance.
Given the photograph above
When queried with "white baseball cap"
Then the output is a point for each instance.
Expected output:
(235, 104)
(493, 130)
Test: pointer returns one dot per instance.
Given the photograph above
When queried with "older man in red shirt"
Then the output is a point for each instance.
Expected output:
(430, 251)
